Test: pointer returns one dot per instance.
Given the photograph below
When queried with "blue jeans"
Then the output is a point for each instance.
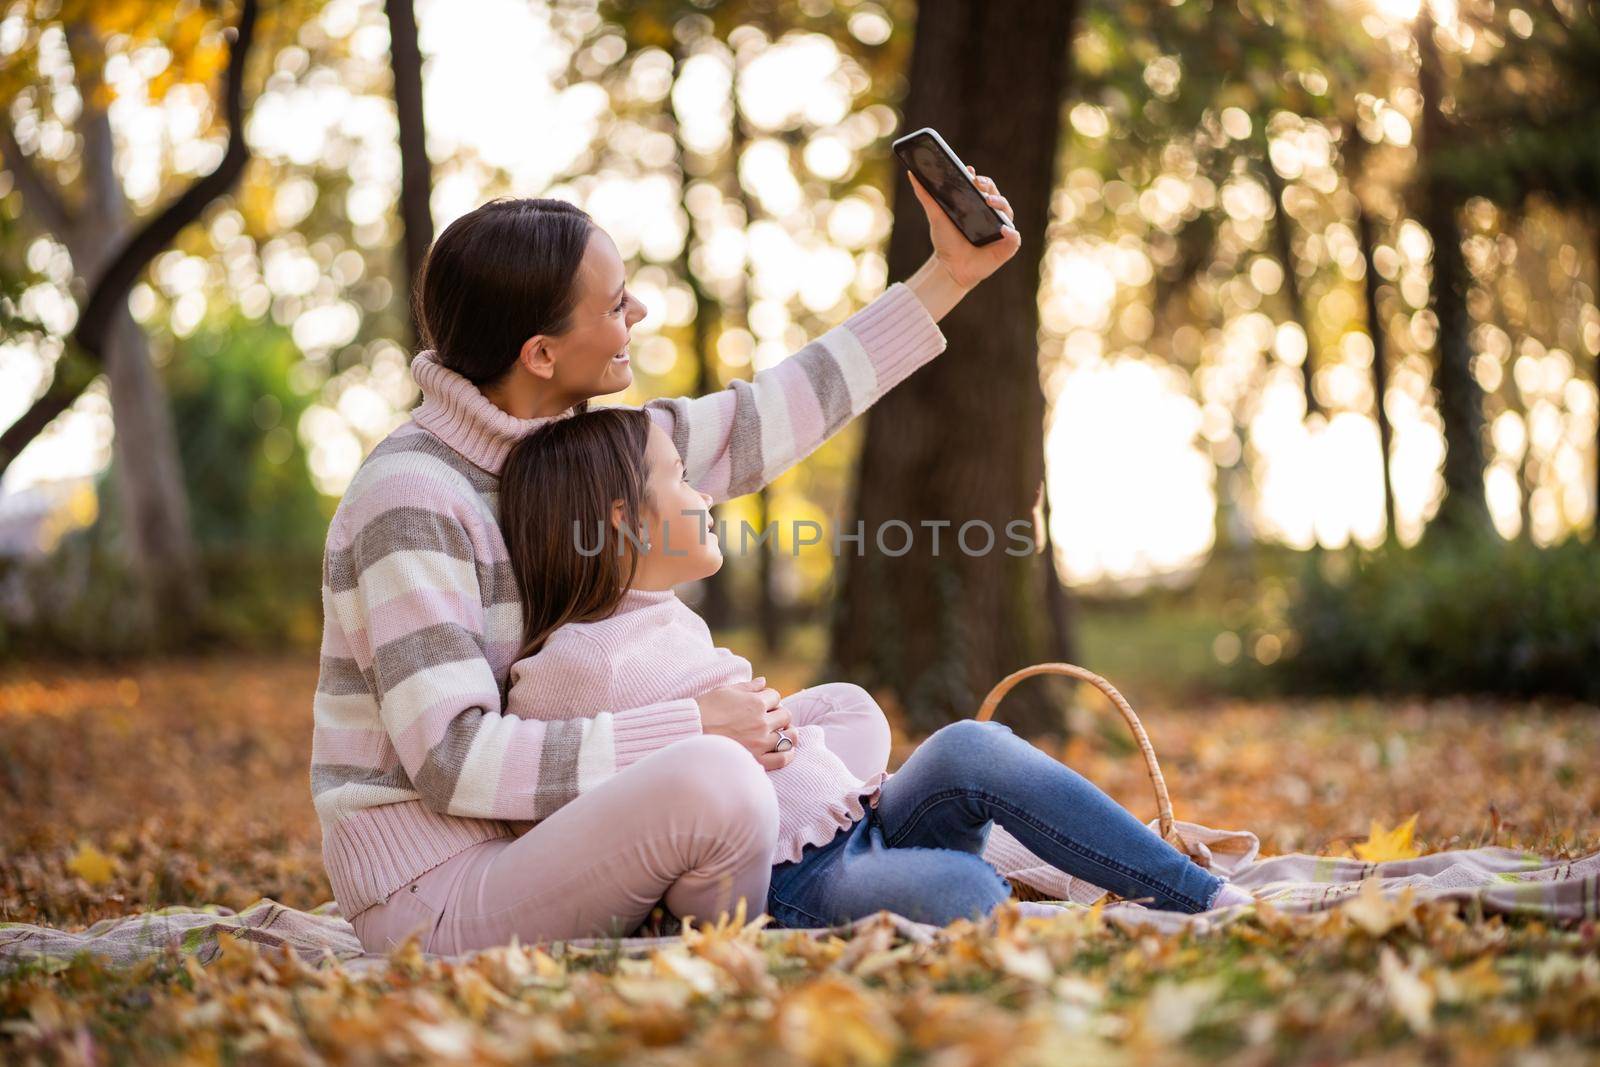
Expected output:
(917, 852)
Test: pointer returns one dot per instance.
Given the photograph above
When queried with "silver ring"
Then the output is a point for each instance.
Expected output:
(784, 743)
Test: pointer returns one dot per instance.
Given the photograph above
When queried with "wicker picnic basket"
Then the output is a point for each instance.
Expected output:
(1168, 829)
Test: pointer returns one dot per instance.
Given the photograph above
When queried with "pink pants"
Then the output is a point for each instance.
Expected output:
(693, 824)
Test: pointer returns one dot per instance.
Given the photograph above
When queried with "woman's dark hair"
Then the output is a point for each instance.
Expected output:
(497, 276)
(556, 492)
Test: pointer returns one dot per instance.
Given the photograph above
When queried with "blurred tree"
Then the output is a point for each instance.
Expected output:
(1294, 299)
(1059, 607)
(962, 439)
(716, 605)
(1372, 279)
(109, 253)
(258, 519)
(416, 172)
(1526, 124)
(769, 619)
(1214, 115)
(724, 170)
(1439, 200)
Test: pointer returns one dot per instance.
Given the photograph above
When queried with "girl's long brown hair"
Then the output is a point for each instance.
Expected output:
(557, 489)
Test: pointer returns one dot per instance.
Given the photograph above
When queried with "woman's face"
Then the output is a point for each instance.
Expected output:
(591, 358)
(677, 519)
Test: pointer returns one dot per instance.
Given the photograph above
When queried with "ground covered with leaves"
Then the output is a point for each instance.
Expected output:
(187, 783)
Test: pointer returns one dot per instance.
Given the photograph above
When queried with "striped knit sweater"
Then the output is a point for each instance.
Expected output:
(414, 757)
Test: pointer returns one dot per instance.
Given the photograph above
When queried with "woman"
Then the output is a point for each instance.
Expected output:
(414, 759)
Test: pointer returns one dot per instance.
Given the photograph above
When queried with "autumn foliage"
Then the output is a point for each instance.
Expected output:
(186, 782)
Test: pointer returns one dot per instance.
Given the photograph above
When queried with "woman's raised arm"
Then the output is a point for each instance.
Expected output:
(739, 439)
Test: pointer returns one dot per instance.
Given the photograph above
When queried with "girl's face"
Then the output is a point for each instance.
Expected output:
(677, 519)
(591, 358)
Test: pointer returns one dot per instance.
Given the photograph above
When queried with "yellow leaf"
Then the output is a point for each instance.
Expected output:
(407, 957)
(698, 974)
(162, 83)
(478, 995)
(185, 36)
(448, 1040)
(1382, 845)
(665, 994)
(1375, 913)
(834, 1022)
(547, 967)
(205, 63)
(91, 865)
(1174, 1008)
(118, 16)
(1030, 964)
(1407, 992)
(1478, 981)
(511, 967)
(236, 955)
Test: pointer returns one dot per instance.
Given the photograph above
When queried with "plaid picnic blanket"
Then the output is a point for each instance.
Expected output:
(318, 936)
(1503, 880)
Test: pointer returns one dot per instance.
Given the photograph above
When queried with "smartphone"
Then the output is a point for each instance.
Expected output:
(941, 172)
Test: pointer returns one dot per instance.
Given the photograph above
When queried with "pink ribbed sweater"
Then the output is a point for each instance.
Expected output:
(654, 648)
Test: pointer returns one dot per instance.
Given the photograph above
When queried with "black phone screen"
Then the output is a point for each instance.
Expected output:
(950, 187)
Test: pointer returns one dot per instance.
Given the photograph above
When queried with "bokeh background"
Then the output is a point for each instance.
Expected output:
(1294, 378)
(1301, 346)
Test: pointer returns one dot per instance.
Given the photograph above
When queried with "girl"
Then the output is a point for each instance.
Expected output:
(601, 523)
(418, 774)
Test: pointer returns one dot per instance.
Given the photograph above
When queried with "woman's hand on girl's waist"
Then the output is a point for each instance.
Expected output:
(749, 713)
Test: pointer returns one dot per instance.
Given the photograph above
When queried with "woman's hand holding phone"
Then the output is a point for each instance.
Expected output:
(957, 264)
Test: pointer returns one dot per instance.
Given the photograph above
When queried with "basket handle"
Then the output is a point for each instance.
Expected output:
(1168, 831)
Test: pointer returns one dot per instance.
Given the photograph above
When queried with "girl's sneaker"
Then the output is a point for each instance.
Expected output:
(1231, 895)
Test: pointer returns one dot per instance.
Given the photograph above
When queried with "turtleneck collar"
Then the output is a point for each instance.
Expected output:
(633, 599)
(456, 412)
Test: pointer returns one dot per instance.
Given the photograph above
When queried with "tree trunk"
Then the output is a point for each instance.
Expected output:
(109, 261)
(769, 618)
(1058, 605)
(1283, 247)
(149, 475)
(416, 171)
(962, 440)
(769, 614)
(716, 605)
(1380, 362)
(1460, 399)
